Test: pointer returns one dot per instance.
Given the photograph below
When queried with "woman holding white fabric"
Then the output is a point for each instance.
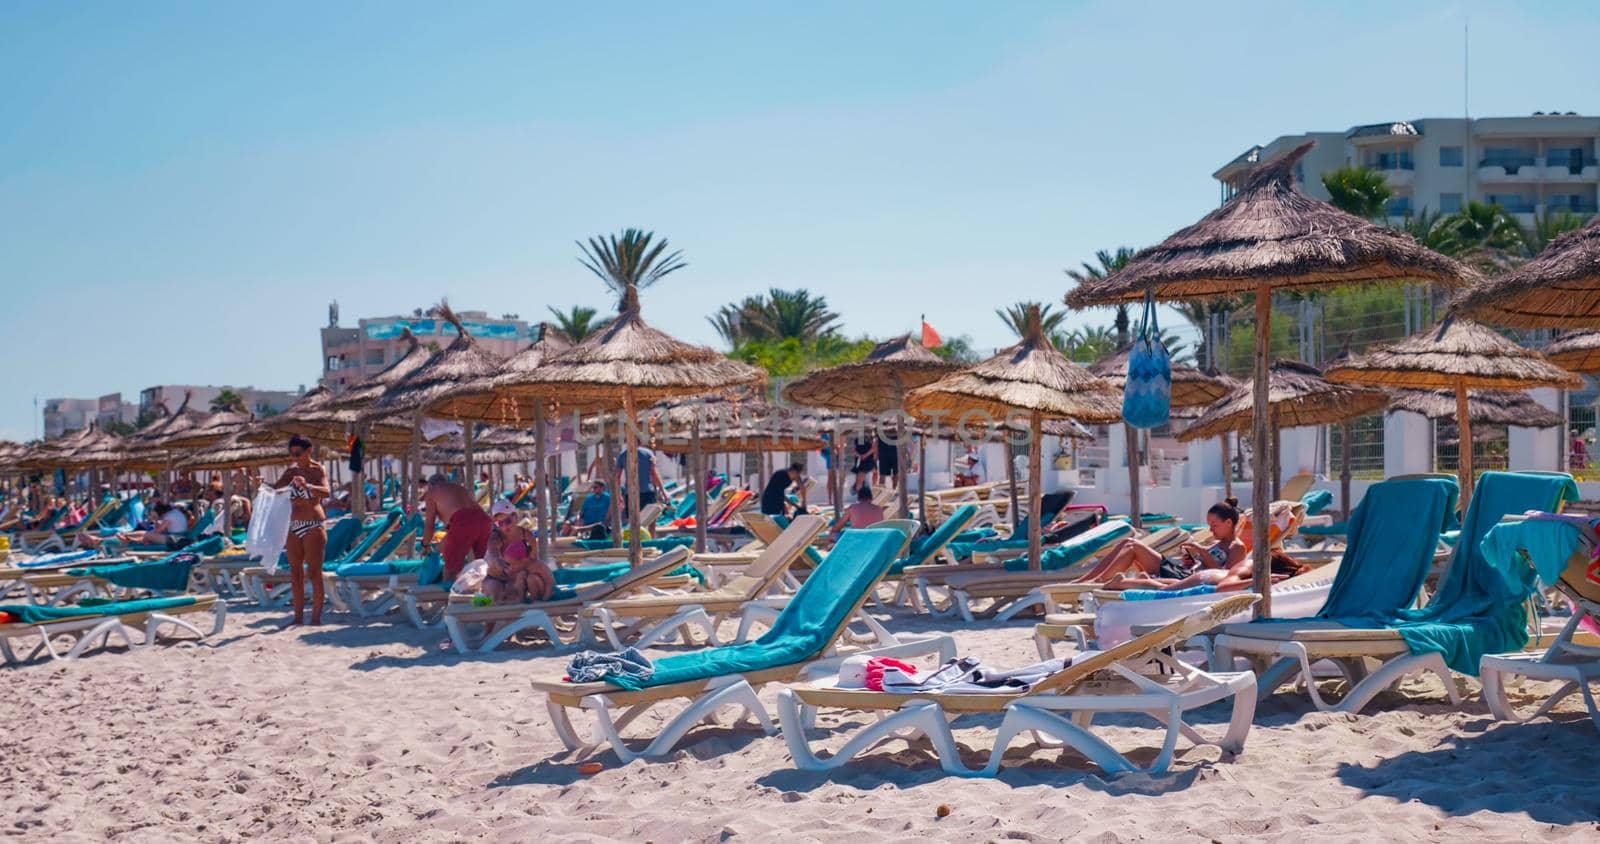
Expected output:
(307, 482)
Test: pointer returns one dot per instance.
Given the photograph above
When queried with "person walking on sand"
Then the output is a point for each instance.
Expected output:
(307, 542)
(467, 527)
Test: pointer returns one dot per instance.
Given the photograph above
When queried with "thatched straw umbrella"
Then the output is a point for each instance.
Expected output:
(343, 413)
(1484, 407)
(1577, 351)
(442, 372)
(629, 364)
(209, 430)
(1268, 238)
(1297, 396)
(1031, 378)
(877, 384)
(236, 452)
(1190, 388)
(1558, 289)
(494, 399)
(1458, 355)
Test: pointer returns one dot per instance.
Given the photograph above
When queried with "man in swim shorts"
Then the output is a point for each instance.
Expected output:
(467, 527)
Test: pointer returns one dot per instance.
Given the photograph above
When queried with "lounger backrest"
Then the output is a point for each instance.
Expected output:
(340, 536)
(942, 537)
(1496, 496)
(1179, 631)
(398, 539)
(645, 572)
(648, 514)
(1390, 552)
(1297, 486)
(777, 557)
(372, 535)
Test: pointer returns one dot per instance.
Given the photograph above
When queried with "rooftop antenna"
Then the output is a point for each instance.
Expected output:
(1466, 69)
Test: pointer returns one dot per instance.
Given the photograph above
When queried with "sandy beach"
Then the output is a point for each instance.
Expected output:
(368, 732)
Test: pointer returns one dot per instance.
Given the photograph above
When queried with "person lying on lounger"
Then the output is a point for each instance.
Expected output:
(1133, 557)
(171, 529)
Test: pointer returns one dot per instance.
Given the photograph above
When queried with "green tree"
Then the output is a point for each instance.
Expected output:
(1424, 227)
(631, 262)
(1361, 191)
(1110, 262)
(228, 400)
(1087, 344)
(579, 322)
(792, 356)
(1016, 316)
(958, 350)
(1199, 313)
(1549, 226)
(1480, 226)
(777, 315)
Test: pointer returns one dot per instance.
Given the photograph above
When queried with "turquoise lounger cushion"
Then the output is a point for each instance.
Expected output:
(1317, 501)
(1076, 549)
(923, 553)
(1162, 594)
(34, 614)
(572, 575)
(806, 627)
(170, 574)
(1335, 529)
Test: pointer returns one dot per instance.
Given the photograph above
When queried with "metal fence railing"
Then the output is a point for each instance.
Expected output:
(1365, 449)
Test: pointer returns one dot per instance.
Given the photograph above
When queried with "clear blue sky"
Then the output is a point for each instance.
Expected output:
(184, 187)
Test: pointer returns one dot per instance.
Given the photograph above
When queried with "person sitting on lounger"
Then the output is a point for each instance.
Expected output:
(593, 520)
(515, 573)
(171, 529)
(1132, 557)
(862, 514)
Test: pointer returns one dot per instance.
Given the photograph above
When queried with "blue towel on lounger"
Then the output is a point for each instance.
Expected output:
(1162, 594)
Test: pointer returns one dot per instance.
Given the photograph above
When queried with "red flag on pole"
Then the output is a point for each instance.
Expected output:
(930, 337)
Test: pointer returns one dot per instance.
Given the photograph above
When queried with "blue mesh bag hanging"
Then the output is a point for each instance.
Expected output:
(1147, 398)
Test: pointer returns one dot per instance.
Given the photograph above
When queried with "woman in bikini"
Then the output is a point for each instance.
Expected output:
(307, 482)
(515, 574)
(1134, 565)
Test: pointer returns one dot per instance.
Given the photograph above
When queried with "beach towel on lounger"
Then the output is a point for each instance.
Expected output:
(33, 614)
(169, 574)
(1075, 550)
(806, 626)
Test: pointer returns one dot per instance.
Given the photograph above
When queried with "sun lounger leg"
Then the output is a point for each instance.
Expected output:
(1023, 718)
(1029, 601)
(684, 618)
(530, 618)
(924, 719)
(962, 605)
(103, 632)
(1391, 673)
(559, 720)
(152, 627)
(735, 693)
(1494, 669)
(750, 615)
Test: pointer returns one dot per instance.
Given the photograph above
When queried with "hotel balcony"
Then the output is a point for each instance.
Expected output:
(1563, 168)
(1501, 168)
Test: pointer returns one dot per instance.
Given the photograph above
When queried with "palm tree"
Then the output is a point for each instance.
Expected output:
(1361, 191)
(1015, 317)
(1087, 344)
(1110, 262)
(1549, 226)
(1199, 314)
(1424, 227)
(777, 316)
(578, 322)
(227, 400)
(629, 263)
(1480, 226)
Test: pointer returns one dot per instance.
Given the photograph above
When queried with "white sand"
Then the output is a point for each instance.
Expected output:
(367, 733)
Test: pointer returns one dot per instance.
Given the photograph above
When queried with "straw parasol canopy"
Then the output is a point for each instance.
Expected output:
(1268, 238)
(1031, 378)
(493, 446)
(1578, 351)
(159, 431)
(876, 384)
(1558, 289)
(234, 453)
(412, 394)
(1298, 395)
(630, 364)
(95, 449)
(316, 416)
(483, 399)
(1487, 407)
(1458, 355)
(210, 430)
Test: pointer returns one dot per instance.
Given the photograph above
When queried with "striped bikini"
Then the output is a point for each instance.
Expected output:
(301, 527)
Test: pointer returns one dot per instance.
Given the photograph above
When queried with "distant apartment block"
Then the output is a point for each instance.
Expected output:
(1530, 166)
(62, 415)
(170, 397)
(353, 354)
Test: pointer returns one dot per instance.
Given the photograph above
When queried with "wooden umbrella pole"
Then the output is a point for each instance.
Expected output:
(416, 463)
(609, 450)
(634, 467)
(836, 477)
(1035, 493)
(1464, 449)
(922, 481)
(697, 467)
(358, 484)
(541, 503)
(466, 458)
(1135, 507)
(1227, 465)
(1277, 461)
(1260, 432)
(1011, 480)
(1346, 432)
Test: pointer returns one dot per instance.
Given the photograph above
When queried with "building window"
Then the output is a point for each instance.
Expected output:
(375, 357)
(1449, 203)
(1450, 157)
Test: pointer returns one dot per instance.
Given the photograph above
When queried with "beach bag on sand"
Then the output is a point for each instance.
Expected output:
(1147, 398)
(269, 527)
